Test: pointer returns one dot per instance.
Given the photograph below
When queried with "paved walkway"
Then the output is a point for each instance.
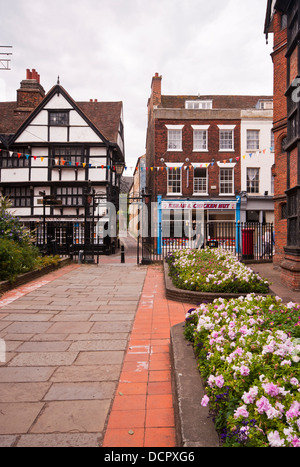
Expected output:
(268, 271)
(66, 337)
(87, 361)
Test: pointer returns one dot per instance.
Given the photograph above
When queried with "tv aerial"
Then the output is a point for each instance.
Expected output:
(4, 57)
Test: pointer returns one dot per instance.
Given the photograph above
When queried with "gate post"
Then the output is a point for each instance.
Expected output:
(159, 233)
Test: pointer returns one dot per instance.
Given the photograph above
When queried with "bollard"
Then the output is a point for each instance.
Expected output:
(80, 257)
(122, 254)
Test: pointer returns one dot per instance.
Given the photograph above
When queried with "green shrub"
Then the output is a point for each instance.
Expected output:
(16, 258)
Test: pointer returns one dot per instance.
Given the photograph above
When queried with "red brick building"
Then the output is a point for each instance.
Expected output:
(283, 20)
(193, 154)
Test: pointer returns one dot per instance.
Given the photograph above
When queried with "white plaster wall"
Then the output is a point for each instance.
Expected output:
(98, 151)
(58, 134)
(58, 102)
(34, 134)
(41, 118)
(83, 134)
(39, 168)
(261, 160)
(96, 174)
(15, 175)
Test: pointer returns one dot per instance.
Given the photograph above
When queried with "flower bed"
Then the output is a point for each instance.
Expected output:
(213, 270)
(248, 352)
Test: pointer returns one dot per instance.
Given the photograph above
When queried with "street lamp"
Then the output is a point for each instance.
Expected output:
(119, 166)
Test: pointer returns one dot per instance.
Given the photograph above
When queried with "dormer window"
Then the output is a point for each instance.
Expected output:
(265, 105)
(198, 104)
(59, 118)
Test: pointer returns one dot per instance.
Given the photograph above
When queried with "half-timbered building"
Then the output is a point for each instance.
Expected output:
(59, 162)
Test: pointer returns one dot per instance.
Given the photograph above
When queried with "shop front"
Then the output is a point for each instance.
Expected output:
(197, 223)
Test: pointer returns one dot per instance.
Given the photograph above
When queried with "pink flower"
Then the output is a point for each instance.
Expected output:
(263, 405)
(244, 370)
(296, 442)
(211, 381)
(271, 389)
(241, 412)
(294, 410)
(249, 397)
(275, 440)
(219, 381)
(205, 401)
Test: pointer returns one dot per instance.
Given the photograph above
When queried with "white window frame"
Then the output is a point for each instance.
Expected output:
(204, 130)
(172, 131)
(253, 140)
(199, 104)
(253, 180)
(225, 166)
(171, 171)
(203, 166)
(229, 129)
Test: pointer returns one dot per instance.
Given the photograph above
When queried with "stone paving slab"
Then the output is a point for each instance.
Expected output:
(65, 339)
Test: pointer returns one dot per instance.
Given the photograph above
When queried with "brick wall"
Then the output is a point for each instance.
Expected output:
(280, 131)
(161, 141)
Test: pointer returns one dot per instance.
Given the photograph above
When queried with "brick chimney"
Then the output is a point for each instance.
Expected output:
(31, 93)
(156, 89)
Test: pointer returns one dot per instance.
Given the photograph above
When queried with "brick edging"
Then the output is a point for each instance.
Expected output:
(194, 426)
(22, 279)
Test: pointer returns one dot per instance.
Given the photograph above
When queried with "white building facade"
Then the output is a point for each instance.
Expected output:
(257, 160)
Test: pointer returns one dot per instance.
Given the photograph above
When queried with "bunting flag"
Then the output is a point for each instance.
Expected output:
(68, 163)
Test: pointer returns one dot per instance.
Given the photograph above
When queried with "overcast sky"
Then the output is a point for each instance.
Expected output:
(110, 49)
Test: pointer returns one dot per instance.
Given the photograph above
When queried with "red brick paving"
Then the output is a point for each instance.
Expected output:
(142, 414)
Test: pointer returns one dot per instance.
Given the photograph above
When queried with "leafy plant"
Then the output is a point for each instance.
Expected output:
(213, 270)
(17, 251)
(251, 369)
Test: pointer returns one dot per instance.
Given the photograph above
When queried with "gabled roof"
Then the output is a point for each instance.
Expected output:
(104, 117)
(219, 101)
